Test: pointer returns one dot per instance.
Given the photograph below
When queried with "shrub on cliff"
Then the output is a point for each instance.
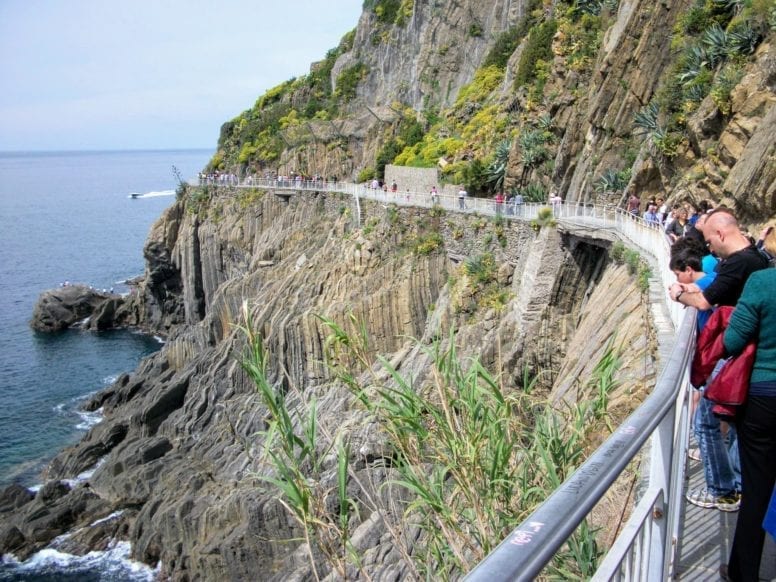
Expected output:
(348, 80)
(538, 47)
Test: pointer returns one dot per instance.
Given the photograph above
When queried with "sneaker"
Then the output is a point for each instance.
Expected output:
(694, 453)
(703, 498)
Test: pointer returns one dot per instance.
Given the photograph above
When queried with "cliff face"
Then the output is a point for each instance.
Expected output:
(584, 91)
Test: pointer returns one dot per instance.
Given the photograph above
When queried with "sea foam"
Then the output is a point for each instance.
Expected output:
(112, 564)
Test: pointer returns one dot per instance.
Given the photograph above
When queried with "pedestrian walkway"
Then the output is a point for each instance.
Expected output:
(705, 537)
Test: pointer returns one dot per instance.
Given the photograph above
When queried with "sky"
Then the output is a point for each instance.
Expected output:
(150, 74)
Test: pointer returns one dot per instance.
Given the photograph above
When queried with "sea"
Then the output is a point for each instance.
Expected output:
(71, 217)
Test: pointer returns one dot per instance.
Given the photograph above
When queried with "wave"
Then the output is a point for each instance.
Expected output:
(89, 418)
(152, 194)
(112, 564)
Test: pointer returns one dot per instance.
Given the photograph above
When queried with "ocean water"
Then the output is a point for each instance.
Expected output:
(69, 217)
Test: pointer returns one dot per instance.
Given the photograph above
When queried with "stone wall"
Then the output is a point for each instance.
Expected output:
(412, 179)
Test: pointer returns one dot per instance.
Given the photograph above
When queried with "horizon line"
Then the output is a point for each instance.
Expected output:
(107, 150)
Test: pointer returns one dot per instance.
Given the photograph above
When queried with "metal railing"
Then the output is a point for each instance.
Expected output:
(645, 548)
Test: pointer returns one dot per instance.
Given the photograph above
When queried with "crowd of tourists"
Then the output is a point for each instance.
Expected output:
(729, 278)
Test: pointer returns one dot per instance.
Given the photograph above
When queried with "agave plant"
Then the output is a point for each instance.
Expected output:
(497, 170)
(595, 7)
(611, 181)
(695, 61)
(545, 122)
(646, 119)
(743, 40)
(534, 193)
(733, 5)
(532, 151)
(696, 93)
(716, 42)
(531, 140)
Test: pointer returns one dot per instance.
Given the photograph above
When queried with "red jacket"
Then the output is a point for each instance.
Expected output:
(729, 387)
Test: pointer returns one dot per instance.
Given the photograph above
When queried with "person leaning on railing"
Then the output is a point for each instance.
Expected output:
(739, 259)
(754, 319)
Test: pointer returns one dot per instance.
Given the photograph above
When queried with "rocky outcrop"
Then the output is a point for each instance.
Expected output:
(71, 305)
(55, 509)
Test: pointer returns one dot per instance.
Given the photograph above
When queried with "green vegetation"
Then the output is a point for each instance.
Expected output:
(401, 141)
(259, 135)
(534, 193)
(617, 252)
(348, 80)
(712, 42)
(246, 198)
(533, 151)
(481, 268)
(580, 39)
(544, 217)
(182, 187)
(724, 83)
(594, 7)
(633, 261)
(663, 141)
(292, 444)
(426, 243)
(715, 37)
(485, 81)
(474, 458)
(538, 48)
(613, 181)
(505, 45)
(390, 12)
(497, 170)
(198, 200)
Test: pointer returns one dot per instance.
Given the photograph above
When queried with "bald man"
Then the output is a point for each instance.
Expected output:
(739, 258)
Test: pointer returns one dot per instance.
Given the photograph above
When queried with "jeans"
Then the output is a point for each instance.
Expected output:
(720, 459)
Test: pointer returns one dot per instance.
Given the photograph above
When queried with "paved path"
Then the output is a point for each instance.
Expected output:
(705, 537)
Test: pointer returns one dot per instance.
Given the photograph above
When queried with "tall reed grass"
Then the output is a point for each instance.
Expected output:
(468, 459)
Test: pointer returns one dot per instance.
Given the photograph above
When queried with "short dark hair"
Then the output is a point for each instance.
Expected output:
(687, 252)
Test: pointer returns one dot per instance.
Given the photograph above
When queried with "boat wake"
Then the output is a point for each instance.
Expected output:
(153, 194)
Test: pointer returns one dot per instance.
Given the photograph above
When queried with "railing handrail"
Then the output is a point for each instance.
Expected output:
(576, 497)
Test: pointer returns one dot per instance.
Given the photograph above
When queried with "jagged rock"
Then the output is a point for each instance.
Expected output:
(11, 539)
(14, 496)
(55, 510)
(104, 316)
(60, 308)
(704, 127)
(99, 535)
(52, 491)
(750, 188)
